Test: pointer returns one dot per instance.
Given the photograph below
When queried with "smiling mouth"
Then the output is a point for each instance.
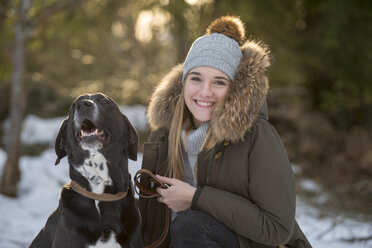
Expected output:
(204, 104)
(89, 133)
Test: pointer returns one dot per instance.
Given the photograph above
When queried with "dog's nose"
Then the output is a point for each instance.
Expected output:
(86, 104)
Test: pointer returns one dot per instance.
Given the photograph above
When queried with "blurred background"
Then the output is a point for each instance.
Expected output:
(320, 97)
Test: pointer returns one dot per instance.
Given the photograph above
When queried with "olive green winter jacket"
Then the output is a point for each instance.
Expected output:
(245, 180)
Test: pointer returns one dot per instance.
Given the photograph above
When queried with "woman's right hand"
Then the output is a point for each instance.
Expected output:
(178, 196)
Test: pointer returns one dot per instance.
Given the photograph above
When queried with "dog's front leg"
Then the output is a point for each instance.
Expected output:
(46, 235)
(136, 239)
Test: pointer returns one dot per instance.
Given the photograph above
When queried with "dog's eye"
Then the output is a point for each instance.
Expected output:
(104, 101)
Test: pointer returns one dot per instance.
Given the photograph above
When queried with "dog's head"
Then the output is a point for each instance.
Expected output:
(95, 123)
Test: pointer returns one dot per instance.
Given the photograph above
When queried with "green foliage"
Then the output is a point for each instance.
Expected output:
(336, 51)
(6, 45)
(323, 45)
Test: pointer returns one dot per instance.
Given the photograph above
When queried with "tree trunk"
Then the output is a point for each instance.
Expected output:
(179, 29)
(11, 174)
(22, 31)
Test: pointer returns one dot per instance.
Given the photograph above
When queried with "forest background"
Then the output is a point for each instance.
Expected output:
(320, 97)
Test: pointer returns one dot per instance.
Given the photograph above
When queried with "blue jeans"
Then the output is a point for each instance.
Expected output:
(197, 229)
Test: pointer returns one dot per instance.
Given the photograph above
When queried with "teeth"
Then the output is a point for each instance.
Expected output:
(96, 132)
(204, 103)
(85, 134)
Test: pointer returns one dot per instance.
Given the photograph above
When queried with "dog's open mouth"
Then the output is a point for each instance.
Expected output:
(89, 133)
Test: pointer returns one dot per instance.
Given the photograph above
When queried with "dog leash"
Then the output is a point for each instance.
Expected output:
(151, 193)
(99, 197)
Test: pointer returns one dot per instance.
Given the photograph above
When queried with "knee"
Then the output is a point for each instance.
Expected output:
(186, 222)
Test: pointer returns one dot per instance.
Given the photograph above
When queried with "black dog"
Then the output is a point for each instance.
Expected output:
(97, 209)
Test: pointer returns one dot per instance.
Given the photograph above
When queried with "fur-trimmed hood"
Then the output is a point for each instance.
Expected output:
(233, 117)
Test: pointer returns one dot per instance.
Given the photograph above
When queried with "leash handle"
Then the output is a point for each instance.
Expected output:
(155, 182)
(151, 193)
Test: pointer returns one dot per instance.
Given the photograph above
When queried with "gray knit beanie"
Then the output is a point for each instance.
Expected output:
(214, 50)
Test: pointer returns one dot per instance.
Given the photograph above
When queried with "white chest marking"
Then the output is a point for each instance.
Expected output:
(109, 243)
(95, 170)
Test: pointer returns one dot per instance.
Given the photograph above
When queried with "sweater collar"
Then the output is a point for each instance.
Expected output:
(194, 139)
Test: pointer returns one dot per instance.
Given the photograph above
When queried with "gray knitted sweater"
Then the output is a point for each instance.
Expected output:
(190, 148)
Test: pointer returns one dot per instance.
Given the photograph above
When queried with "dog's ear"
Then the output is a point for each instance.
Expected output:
(132, 140)
(60, 142)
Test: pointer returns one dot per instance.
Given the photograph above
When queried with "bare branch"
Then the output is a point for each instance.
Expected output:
(357, 239)
(54, 8)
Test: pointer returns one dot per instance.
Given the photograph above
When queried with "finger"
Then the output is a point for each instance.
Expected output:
(166, 180)
(160, 190)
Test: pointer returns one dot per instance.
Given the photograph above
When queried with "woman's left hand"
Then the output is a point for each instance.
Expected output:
(178, 196)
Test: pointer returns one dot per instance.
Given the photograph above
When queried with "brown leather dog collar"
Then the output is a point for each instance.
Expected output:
(99, 197)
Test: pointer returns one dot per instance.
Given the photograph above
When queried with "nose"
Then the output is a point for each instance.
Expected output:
(85, 104)
(206, 91)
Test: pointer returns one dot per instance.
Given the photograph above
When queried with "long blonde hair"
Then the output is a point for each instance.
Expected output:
(175, 158)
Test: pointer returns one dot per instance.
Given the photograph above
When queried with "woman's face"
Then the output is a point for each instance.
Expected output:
(204, 87)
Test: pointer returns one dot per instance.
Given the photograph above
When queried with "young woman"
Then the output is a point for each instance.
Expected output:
(231, 183)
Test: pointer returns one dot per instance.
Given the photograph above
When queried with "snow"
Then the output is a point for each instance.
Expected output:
(310, 186)
(22, 218)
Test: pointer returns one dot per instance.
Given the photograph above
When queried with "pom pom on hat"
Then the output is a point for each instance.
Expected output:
(230, 26)
(219, 48)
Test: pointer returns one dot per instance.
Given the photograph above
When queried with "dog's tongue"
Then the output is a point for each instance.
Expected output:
(89, 139)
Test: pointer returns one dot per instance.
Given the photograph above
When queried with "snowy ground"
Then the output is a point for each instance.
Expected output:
(22, 218)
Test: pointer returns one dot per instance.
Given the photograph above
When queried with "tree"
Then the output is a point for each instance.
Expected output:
(24, 25)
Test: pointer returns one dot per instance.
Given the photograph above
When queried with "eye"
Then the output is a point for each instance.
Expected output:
(196, 79)
(104, 101)
(220, 83)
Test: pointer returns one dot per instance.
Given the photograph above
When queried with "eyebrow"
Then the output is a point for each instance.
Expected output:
(196, 73)
(217, 77)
